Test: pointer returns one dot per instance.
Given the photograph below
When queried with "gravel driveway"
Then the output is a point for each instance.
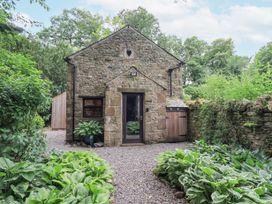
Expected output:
(132, 165)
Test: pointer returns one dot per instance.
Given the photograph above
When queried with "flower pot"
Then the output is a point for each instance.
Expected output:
(88, 140)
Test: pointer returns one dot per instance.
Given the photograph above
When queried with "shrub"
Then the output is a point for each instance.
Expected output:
(23, 145)
(218, 174)
(248, 85)
(73, 177)
(23, 92)
(91, 128)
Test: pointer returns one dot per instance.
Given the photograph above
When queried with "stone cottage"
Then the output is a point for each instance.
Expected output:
(126, 81)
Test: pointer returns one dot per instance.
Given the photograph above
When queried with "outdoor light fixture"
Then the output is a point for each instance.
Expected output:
(133, 73)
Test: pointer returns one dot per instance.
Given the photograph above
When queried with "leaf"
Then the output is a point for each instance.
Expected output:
(2, 174)
(80, 191)
(28, 176)
(5, 163)
(20, 189)
(218, 198)
(208, 171)
(87, 200)
(237, 195)
(260, 190)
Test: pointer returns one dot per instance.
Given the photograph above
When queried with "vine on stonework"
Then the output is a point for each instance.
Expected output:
(231, 122)
(217, 124)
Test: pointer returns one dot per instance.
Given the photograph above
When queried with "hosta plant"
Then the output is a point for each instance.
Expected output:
(91, 128)
(72, 177)
(218, 174)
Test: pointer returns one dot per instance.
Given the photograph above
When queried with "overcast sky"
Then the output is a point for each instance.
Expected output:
(247, 22)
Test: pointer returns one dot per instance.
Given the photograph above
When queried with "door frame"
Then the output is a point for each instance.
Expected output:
(124, 117)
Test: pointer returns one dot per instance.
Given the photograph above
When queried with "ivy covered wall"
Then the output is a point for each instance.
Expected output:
(247, 123)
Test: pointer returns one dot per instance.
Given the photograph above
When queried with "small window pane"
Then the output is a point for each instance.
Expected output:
(93, 102)
(92, 108)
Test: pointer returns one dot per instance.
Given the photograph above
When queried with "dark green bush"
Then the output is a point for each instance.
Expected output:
(23, 145)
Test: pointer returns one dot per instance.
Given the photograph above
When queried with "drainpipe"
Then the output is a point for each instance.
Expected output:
(170, 71)
(170, 82)
(73, 95)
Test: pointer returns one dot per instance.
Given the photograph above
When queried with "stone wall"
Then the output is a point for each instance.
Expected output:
(107, 59)
(249, 123)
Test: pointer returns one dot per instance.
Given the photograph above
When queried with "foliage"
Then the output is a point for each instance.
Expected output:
(218, 53)
(91, 128)
(246, 86)
(23, 145)
(133, 127)
(218, 174)
(76, 27)
(22, 91)
(171, 43)
(192, 52)
(23, 95)
(236, 65)
(11, 4)
(74, 177)
(218, 122)
(50, 61)
(142, 20)
(263, 58)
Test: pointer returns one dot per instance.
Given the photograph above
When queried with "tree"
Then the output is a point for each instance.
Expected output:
(193, 52)
(263, 58)
(11, 4)
(75, 27)
(171, 43)
(235, 65)
(216, 58)
(142, 20)
(50, 61)
(24, 94)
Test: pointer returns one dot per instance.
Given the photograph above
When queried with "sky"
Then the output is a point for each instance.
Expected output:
(247, 22)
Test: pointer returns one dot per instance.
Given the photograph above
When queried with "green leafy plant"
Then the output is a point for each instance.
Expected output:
(24, 145)
(73, 177)
(218, 174)
(133, 127)
(91, 128)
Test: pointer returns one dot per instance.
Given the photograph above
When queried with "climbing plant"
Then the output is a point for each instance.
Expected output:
(228, 122)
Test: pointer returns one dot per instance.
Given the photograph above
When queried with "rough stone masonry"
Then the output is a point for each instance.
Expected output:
(104, 68)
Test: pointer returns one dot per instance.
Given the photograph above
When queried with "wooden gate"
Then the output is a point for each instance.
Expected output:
(176, 124)
(58, 117)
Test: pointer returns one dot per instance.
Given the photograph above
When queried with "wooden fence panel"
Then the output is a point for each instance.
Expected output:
(176, 124)
(58, 117)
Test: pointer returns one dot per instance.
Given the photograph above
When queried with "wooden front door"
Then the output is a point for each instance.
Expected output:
(132, 117)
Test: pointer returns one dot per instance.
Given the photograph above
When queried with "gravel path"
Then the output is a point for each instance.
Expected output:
(132, 165)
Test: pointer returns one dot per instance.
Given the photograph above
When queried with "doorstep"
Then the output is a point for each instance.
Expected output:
(132, 144)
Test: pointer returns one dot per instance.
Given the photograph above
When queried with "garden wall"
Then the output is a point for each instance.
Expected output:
(248, 123)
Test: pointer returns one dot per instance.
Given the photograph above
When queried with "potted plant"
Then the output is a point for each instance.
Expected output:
(88, 131)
